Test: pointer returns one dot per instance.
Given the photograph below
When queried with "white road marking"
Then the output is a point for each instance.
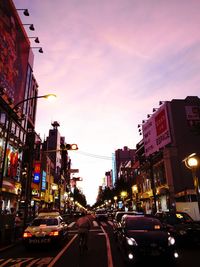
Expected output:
(95, 224)
(109, 254)
(20, 262)
(71, 224)
(62, 251)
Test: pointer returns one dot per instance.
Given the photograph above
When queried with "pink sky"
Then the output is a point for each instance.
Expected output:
(110, 63)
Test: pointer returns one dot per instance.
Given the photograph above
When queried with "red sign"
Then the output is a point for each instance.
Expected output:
(161, 122)
(156, 132)
(37, 167)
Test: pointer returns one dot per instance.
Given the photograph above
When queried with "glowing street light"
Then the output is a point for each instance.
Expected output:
(192, 162)
(115, 199)
(123, 194)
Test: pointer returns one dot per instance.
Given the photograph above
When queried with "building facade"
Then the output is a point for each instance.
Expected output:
(169, 136)
(17, 117)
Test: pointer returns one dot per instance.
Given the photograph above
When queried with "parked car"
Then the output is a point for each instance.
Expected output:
(186, 230)
(117, 220)
(144, 238)
(101, 215)
(47, 228)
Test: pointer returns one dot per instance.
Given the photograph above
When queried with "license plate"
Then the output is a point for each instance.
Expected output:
(39, 241)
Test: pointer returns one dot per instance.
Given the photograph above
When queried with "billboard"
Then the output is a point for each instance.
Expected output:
(156, 132)
(37, 169)
(14, 52)
(44, 180)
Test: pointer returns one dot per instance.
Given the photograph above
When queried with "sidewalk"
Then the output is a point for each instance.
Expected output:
(4, 247)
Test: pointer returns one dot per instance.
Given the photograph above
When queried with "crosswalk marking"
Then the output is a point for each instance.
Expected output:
(103, 223)
(111, 223)
(95, 224)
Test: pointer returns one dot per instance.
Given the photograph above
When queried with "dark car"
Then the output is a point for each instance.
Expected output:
(144, 238)
(45, 229)
(186, 230)
(101, 215)
(117, 220)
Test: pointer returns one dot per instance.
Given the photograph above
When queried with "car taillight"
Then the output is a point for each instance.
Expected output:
(27, 234)
(54, 233)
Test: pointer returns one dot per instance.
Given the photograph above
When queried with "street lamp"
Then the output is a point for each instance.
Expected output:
(115, 199)
(135, 194)
(192, 162)
(12, 113)
(123, 195)
(26, 13)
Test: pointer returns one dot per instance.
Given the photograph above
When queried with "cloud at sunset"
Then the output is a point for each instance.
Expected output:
(110, 63)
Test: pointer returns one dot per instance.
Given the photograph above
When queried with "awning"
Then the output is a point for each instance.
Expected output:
(9, 186)
(146, 195)
(185, 193)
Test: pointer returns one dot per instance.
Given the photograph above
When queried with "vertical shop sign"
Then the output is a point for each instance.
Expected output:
(36, 177)
(44, 175)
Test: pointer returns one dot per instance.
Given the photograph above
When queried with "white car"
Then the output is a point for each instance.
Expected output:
(45, 229)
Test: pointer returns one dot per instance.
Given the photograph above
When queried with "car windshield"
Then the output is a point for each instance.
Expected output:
(101, 212)
(119, 215)
(48, 222)
(178, 218)
(143, 224)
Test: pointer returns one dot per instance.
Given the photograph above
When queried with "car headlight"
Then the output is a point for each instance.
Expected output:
(171, 241)
(131, 241)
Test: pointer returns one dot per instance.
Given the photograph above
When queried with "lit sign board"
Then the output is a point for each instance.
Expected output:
(14, 47)
(36, 177)
(156, 132)
(44, 175)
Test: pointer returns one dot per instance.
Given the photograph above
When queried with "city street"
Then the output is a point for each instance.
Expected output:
(102, 252)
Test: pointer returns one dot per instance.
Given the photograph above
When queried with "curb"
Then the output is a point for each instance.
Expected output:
(3, 248)
(7, 247)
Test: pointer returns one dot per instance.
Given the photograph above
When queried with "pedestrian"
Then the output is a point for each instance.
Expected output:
(18, 226)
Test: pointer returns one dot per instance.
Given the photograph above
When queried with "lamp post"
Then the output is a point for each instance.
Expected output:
(11, 114)
(192, 162)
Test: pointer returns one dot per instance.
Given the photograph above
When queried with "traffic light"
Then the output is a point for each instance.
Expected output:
(68, 147)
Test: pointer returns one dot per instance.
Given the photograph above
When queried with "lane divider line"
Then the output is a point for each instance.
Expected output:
(109, 254)
(62, 251)
(71, 224)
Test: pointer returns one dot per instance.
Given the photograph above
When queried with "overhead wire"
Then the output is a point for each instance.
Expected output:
(93, 155)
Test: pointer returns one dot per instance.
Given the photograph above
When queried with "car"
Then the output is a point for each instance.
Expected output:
(117, 220)
(46, 228)
(186, 230)
(144, 238)
(101, 215)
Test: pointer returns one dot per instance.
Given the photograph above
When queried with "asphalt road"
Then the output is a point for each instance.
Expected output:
(103, 252)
